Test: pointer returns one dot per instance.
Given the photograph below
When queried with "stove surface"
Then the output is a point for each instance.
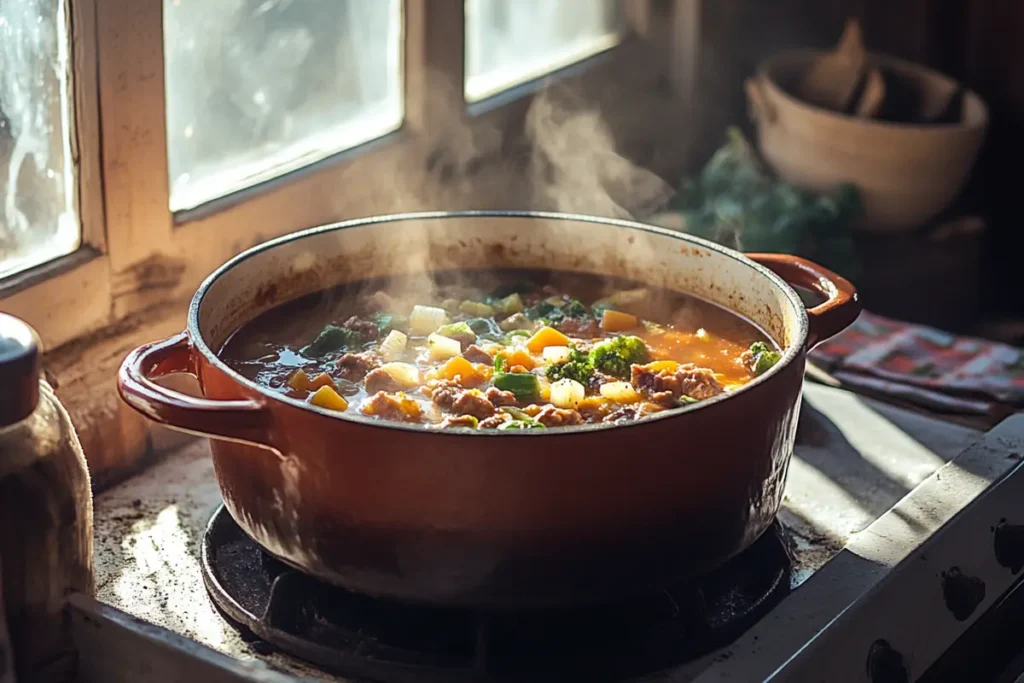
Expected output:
(382, 640)
(855, 460)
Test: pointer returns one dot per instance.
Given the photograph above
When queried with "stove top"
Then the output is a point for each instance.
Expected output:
(375, 639)
(906, 533)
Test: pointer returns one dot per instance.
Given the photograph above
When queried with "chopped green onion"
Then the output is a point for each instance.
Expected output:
(520, 424)
(509, 338)
(523, 385)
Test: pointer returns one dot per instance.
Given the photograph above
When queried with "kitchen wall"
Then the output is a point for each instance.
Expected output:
(978, 42)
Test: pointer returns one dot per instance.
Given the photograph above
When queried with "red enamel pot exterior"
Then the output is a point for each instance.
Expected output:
(504, 519)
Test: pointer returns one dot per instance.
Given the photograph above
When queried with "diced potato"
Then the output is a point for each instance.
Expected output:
(476, 309)
(556, 355)
(616, 321)
(394, 345)
(442, 348)
(567, 393)
(322, 380)
(544, 337)
(299, 381)
(513, 303)
(426, 319)
(327, 397)
(620, 392)
(405, 374)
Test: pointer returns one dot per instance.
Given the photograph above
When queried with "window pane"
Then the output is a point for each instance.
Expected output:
(257, 88)
(38, 220)
(509, 42)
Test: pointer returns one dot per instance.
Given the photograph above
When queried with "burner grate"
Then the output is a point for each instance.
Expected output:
(375, 639)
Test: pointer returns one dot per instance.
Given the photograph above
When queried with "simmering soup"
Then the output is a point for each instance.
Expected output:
(486, 350)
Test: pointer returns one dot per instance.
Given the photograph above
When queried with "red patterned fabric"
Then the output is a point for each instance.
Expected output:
(910, 360)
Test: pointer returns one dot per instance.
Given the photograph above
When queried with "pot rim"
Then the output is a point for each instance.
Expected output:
(767, 67)
(199, 343)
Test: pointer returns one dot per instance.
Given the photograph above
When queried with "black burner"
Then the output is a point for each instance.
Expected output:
(374, 639)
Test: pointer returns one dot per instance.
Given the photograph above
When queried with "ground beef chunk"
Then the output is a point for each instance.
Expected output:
(445, 392)
(454, 421)
(390, 407)
(550, 416)
(380, 380)
(354, 366)
(579, 327)
(501, 398)
(688, 380)
(473, 403)
(474, 354)
(623, 414)
(364, 328)
(493, 422)
(663, 398)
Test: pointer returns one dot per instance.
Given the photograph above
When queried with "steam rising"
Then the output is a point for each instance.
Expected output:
(577, 169)
(564, 159)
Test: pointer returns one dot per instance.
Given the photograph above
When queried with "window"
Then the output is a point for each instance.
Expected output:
(38, 220)
(258, 88)
(509, 42)
(121, 121)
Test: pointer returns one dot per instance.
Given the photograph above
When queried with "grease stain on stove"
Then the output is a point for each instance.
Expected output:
(1008, 541)
(962, 593)
(885, 664)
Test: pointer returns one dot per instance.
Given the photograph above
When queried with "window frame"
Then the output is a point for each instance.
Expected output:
(137, 256)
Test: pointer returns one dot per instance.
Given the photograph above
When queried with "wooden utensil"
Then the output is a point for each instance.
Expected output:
(873, 95)
(831, 81)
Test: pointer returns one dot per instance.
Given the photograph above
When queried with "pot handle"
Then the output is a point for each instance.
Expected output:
(842, 305)
(245, 420)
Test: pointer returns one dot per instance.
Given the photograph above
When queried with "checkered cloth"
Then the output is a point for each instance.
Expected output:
(922, 365)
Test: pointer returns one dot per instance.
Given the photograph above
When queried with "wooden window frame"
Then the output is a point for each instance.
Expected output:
(137, 255)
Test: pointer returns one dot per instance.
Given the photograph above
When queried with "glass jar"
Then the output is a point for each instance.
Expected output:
(46, 512)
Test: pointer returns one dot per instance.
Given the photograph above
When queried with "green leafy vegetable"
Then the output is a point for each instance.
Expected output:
(614, 356)
(763, 357)
(484, 327)
(578, 367)
(736, 201)
(523, 385)
(332, 338)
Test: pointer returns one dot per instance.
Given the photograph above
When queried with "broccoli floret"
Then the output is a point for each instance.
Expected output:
(763, 357)
(578, 367)
(614, 356)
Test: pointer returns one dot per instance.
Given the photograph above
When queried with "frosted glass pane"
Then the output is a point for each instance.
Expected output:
(38, 220)
(509, 42)
(258, 88)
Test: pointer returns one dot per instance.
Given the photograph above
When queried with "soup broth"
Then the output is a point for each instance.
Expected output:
(500, 350)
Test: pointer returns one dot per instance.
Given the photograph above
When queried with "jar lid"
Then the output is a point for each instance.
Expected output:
(19, 370)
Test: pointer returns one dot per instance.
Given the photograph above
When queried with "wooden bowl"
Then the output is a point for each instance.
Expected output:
(907, 173)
